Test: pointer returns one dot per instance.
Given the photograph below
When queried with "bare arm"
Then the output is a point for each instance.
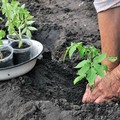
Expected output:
(109, 25)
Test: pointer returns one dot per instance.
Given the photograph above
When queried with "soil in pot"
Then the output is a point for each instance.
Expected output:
(22, 54)
(7, 60)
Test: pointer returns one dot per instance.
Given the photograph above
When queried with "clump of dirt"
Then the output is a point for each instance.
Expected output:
(47, 92)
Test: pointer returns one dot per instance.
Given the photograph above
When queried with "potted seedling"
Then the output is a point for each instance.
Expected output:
(6, 53)
(90, 65)
(19, 23)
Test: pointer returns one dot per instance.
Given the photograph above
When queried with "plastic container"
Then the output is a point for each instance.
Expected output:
(22, 68)
(13, 37)
(8, 53)
(21, 54)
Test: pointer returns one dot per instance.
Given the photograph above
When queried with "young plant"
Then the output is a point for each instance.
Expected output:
(19, 20)
(91, 65)
(2, 35)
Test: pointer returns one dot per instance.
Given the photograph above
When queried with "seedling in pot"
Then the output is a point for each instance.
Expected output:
(19, 20)
(2, 35)
(6, 52)
(91, 64)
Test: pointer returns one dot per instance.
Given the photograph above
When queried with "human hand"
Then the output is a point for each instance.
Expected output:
(105, 89)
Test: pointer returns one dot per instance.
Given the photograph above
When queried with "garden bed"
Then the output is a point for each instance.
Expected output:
(47, 92)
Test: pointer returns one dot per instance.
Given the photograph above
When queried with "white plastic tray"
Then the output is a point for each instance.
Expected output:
(23, 68)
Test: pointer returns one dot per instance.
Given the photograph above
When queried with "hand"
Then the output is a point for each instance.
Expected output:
(87, 95)
(105, 89)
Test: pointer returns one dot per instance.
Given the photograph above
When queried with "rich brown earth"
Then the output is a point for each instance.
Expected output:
(47, 92)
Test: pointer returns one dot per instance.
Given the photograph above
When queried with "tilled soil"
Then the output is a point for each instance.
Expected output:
(47, 92)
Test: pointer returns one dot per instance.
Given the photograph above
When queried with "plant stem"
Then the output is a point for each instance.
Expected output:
(18, 36)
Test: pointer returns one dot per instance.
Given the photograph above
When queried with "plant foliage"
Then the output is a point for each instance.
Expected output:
(2, 35)
(19, 20)
(91, 65)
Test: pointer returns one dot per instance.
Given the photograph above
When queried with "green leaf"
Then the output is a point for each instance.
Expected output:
(24, 30)
(105, 67)
(99, 69)
(100, 58)
(94, 51)
(71, 51)
(32, 28)
(23, 6)
(77, 79)
(82, 51)
(81, 64)
(30, 22)
(83, 71)
(112, 59)
(1, 18)
(2, 34)
(28, 33)
(66, 52)
(91, 76)
(22, 26)
(1, 43)
(79, 46)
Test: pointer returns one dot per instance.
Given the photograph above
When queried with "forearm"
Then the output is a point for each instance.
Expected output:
(110, 34)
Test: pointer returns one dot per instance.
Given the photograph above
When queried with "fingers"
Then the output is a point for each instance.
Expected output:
(86, 97)
(96, 93)
(102, 99)
(97, 80)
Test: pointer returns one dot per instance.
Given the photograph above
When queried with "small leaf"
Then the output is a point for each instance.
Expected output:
(23, 6)
(30, 22)
(105, 67)
(71, 51)
(79, 46)
(32, 28)
(22, 26)
(83, 70)
(77, 79)
(1, 18)
(81, 64)
(91, 76)
(81, 52)
(28, 33)
(99, 58)
(24, 30)
(66, 52)
(99, 69)
(2, 34)
(1, 43)
(112, 59)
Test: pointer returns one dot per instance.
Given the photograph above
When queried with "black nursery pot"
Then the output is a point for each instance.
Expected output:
(22, 54)
(7, 53)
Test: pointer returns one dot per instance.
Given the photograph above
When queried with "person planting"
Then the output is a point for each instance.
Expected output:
(108, 18)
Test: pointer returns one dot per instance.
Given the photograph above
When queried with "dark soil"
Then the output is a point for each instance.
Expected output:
(5, 53)
(15, 45)
(47, 92)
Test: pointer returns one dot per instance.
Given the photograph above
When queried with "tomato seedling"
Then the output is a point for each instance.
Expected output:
(91, 64)
(19, 20)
